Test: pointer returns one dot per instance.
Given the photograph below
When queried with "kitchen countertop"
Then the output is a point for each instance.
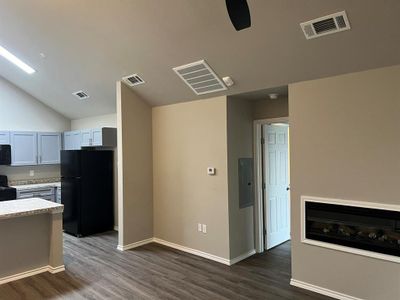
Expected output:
(37, 185)
(28, 207)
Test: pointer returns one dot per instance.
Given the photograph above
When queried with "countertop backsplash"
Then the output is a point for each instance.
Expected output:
(34, 181)
(22, 175)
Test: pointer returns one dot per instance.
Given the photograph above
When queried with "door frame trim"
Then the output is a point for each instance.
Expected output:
(258, 205)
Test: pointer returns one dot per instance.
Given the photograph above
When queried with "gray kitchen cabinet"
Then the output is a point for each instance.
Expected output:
(24, 151)
(58, 194)
(99, 137)
(46, 193)
(4, 137)
(72, 140)
(49, 146)
(95, 137)
(86, 138)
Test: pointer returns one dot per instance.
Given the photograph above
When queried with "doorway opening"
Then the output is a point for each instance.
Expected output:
(272, 205)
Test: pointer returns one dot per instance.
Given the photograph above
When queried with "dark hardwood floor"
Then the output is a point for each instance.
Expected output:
(96, 270)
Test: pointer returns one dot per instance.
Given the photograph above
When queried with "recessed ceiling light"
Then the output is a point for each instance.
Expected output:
(16, 61)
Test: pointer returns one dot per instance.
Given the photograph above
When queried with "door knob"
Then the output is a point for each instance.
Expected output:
(288, 188)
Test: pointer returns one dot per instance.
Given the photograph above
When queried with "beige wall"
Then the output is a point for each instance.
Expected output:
(39, 243)
(109, 120)
(344, 144)
(240, 145)
(188, 138)
(21, 111)
(135, 167)
(270, 108)
(30, 250)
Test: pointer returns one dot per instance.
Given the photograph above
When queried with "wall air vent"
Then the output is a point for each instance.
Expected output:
(326, 25)
(81, 95)
(200, 78)
(133, 80)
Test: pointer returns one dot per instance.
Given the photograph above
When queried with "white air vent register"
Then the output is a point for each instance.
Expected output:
(200, 78)
(81, 95)
(133, 80)
(325, 25)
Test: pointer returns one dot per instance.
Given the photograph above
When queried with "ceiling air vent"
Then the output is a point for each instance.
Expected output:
(326, 25)
(200, 78)
(81, 95)
(133, 80)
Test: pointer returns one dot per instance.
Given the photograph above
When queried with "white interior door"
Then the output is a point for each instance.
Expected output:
(276, 176)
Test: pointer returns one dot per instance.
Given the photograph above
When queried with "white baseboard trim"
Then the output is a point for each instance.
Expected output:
(321, 290)
(242, 257)
(55, 270)
(30, 273)
(193, 251)
(213, 257)
(134, 245)
(115, 228)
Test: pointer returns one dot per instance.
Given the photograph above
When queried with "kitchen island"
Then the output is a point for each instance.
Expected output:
(31, 238)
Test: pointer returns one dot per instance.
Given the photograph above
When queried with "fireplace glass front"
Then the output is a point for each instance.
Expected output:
(369, 229)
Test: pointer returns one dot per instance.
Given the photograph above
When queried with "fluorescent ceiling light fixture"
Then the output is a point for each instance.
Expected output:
(16, 61)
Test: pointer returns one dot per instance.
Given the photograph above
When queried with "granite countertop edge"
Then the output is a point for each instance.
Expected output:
(36, 185)
(28, 207)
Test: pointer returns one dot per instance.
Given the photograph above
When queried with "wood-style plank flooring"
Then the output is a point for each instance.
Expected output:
(96, 270)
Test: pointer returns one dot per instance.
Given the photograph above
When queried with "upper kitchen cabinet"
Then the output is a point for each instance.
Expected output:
(23, 148)
(4, 137)
(49, 146)
(86, 138)
(99, 137)
(72, 140)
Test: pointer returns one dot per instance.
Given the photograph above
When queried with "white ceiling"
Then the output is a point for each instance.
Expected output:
(90, 44)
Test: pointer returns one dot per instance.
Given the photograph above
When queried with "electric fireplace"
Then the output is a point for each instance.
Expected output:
(364, 228)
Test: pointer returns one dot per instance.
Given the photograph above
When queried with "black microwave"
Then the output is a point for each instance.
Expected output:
(5, 155)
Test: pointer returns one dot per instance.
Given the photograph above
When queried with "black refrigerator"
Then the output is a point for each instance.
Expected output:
(87, 191)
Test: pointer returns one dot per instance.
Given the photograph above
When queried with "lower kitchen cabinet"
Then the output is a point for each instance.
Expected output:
(46, 193)
(58, 194)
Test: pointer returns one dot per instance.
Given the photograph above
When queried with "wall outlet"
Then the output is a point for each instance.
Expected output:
(204, 228)
(199, 227)
(32, 173)
(211, 171)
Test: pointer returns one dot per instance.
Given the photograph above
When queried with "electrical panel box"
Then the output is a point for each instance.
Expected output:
(246, 182)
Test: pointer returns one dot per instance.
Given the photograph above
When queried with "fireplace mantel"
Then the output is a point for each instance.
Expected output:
(348, 203)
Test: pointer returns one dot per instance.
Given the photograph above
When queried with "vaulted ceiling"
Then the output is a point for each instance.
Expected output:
(90, 44)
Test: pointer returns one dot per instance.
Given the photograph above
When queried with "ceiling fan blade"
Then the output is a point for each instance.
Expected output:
(239, 13)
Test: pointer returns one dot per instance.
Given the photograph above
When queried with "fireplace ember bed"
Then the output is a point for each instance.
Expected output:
(366, 230)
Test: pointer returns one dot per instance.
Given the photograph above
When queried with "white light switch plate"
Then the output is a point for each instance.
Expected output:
(199, 228)
(31, 173)
(204, 228)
